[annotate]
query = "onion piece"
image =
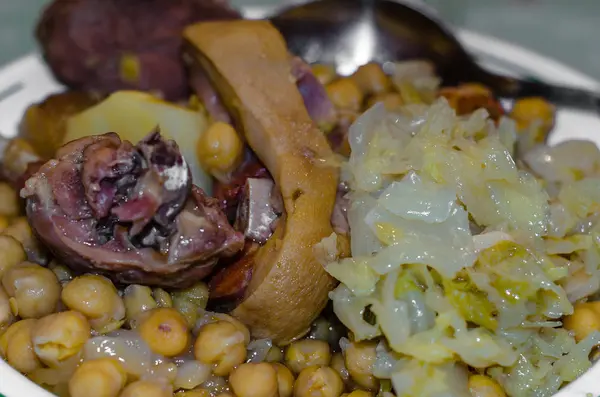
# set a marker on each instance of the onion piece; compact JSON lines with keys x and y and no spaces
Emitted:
{"x":191,"y":374}
{"x":258,"y":350}
{"x":126,"y":347}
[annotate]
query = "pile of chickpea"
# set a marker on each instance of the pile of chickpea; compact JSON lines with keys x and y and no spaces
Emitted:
{"x":47,"y":315}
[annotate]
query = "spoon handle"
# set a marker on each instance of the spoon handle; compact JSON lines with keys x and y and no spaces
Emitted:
{"x":561,"y":96}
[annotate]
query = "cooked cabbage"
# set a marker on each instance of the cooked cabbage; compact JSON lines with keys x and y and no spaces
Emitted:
{"x":461,"y":257}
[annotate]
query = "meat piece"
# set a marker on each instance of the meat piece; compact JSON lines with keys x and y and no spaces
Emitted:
{"x":248,"y":64}
{"x":467,"y":98}
{"x":259,"y":209}
{"x":128,"y":212}
{"x":317,"y":102}
{"x":228,"y":286}
{"x":315,"y":98}
{"x":229,"y":194}
{"x":109,"y":45}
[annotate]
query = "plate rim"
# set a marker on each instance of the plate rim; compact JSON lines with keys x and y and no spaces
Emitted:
{"x":13,"y":384}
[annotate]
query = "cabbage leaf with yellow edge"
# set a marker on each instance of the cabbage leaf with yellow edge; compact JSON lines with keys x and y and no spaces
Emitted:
{"x":420,"y":222}
{"x":462,"y":259}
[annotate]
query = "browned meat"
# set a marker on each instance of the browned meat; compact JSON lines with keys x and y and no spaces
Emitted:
{"x":229,"y":194}
{"x":259,"y":209}
{"x":109,"y":45}
{"x":129,"y":212}
{"x":228,"y":285}
{"x":467,"y":98}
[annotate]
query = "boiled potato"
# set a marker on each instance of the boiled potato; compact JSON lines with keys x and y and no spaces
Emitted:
{"x":134,"y":114}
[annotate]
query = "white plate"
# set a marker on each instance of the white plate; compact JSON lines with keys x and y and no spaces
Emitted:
{"x":27,"y":80}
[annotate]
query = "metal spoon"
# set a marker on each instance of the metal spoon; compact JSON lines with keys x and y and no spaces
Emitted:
{"x":349,"y":33}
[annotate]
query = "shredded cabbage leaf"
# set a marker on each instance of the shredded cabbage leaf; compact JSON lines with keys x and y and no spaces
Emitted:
{"x":462,"y":256}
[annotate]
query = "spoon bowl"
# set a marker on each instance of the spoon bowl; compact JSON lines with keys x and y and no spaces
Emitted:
{"x":350,"y":33}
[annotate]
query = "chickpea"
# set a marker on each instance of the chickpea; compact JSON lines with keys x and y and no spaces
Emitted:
{"x":3,"y":223}
{"x":193,"y":393}
{"x":285,"y":380}
{"x":147,"y":388}
{"x":102,"y":377}
{"x":584,"y":320}
{"x":162,"y":297}
{"x":96,"y":298}
{"x":197,"y":294}
{"x":191,"y":374}
{"x":221,"y":344}
{"x":241,"y":327}
{"x":12,"y":253}
{"x":484,"y":386}
{"x":60,"y":336}
{"x":20,"y":229}
{"x":254,"y":380}
{"x":17,"y":155}
{"x":391,"y":100}
{"x":62,"y":273}
{"x":345,"y":94}
{"x":17,"y":348}
{"x":324,"y":73}
{"x":307,"y":352}
{"x":216,"y":385}
{"x":275,"y":355}
{"x":190,"y":300}
{"x":318,"y":381}
{"x":137,"y":299}
{"x":9,"y":200}
{"x":6,"y":315}
{"x":371,"y":79}
{"x":527,"y":110}
{"x":34,"y":290}
{"x":165,"y":331}
{"x":360,"y":393}
{"x":165,"y":371}
{"x":338,"y":363}
{"x":220,"y":148}
{"x":187,"y":309}
{"x":360,"y":357}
